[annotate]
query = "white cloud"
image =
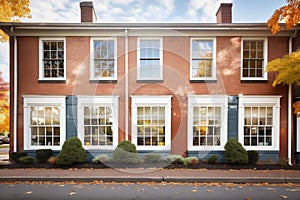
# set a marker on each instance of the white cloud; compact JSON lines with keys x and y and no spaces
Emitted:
{"x":204,"y":10}
{"x":4,"y":55}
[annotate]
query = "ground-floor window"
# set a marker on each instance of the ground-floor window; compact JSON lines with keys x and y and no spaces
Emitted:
{"x":207,"y":122}
{"x":44,"y":122}
{"x":259,"y":122}
{"x":151,"y":122}
{"x":98,"y":121}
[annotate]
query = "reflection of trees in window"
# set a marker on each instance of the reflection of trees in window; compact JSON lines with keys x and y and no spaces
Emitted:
{"x":151,"y":125}
{"x":253,"y":58}
{"x":258,"y":126}
{"x":53,"y":59}
{"x":206,"y":126}
{"x":98,"y":122}
{"x":45,"y":125}
{"x":104,"y":58}
{"x":202,"y":58}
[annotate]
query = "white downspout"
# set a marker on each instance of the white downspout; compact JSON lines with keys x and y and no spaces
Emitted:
{"x":15,"y":93}
{"x":126,"y":85}
{"x":290,"y":109}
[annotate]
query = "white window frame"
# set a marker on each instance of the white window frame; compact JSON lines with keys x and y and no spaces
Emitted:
{"x":265,"y":73}
{"x":270,"y":101}
{"x":41,"y":57}
{"x":31,"y":100}
{"x":214,"y":61}
{"x":152,"y":100}
{"x":213,"y":101}
{"x":92,"y":66}
{"x":113,"y":102}
{"x":160,"y":60}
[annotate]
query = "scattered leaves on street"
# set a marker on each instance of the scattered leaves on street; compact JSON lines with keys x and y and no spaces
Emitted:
{"x":194,"y":190}
{"x":284,"y":197}
{"x":29,"y":192}
{"x":72,"y":193}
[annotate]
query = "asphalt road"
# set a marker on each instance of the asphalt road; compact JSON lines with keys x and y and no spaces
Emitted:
{"x":50,"y":191}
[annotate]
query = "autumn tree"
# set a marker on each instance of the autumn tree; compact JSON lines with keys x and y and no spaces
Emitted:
{"x":13,"y":11}
{"x":4,"y":105}
{"x":289,"y":14}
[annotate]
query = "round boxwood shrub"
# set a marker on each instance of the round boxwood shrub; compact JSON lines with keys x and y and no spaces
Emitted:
{"x":252,"y":156}
{"x":72,"y":152}
{"x":235,"y":153}
{"x":191,"y":161}
{"x":16,"y":155}
{"x":26,"y":160}
{"x":42,"y":155}
{"x":174,"y":159}
{"x":126,"y":153}
{"x":212,"y":159}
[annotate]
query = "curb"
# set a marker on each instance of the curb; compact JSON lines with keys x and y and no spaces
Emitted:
{"x":119,"y":179}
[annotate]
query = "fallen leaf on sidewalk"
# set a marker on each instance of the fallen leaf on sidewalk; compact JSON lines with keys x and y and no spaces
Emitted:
{"x":284,"y":197}
{"x":72,"y":193}
{"x":29,"y":192}
{"x":194,"y":190}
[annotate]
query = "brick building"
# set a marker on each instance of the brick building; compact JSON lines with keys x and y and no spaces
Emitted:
{"x":172,"y":88}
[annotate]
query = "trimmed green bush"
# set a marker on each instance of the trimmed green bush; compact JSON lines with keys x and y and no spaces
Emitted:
{"x":42,"y":155}
{"x":191,"y":161}
{"x":100,"y":159}
{"x":235,"y":153}
{"x":152,"y":158}
{"x":212,"y":159}
{"x":253,"y":156}
{"x":26,"y":160}
{"x":126,"y":153}
{"x":16,"y":155}
{"x":174,"y":159}
{"x":72,"y":152}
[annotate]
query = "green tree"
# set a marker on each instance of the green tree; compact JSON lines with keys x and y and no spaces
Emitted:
{"x":12,"y":11}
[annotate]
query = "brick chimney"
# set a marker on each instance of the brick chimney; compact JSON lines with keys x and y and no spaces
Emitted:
{"x":224,"y":14}
{"x":88,"y":13}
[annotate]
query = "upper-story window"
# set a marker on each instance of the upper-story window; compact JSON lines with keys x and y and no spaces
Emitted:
{"x":103,"y":59}
{"x":150,"y":59}
{"x":203,"y":59}
{"x":52,"y":59}
{"x":254,"y":52}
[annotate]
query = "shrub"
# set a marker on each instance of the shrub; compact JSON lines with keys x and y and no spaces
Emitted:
{"x":126,"y":153}
{"x":235,"y":153}
{"x":26,"y":160}
{"x":174,"y":159}
{"x":42,"y":155}
{"x":100,"y":159}
{"x":72,"y":152}
{"x":191,"y":161}
{"x":212,"y":159}
{"x":16,"y":155}
{"x":252,"y":156}
{"x":152,"y":158}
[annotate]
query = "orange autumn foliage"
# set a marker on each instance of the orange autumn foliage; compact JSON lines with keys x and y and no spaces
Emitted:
{"x":13,"y":11}
{"x":4,"y":106}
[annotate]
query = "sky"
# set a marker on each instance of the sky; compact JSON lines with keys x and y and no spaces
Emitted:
{"x":202,"y":11}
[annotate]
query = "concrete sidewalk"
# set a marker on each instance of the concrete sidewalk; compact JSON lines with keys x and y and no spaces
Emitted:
{"x":151,"y":175}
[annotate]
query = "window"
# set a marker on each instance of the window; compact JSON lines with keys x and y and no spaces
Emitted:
{"x":259,"y":122}
{"x":44,"y":122}
{"x":254,"y":59}
{"x":207,"y":122}
{"x":103,"y":59}
{"x":203,"y":59}
{"x":98,"y":121}
{"x":150,"y":65}
{"x":52,"y":59}
{"x":151,"y":122}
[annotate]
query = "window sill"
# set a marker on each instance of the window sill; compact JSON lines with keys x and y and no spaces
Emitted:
{"x":204,"y":81}
{"x":149,"y":81}
{"x":103,"y":81}
{"x":255,"y":81}
{"x":52,"y":81}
